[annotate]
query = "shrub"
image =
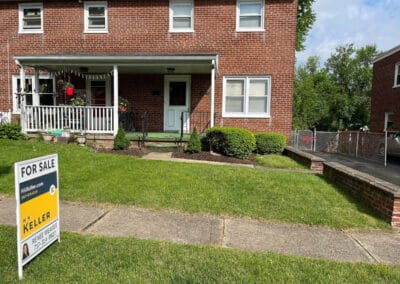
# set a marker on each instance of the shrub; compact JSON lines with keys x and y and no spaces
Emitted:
{"x":11,"y":131}
{"x":231,"y":141}
{"x":39,"y":137}
{"x":194,"y":145}
{"x":120,"y":141}
{"x":270,"y":143}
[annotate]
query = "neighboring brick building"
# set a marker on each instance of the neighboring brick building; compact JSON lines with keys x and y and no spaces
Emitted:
{"x":385,"y":104}
{"x":233,"y":58}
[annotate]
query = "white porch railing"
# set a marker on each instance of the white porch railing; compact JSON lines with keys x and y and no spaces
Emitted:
{"x":88,"y":119}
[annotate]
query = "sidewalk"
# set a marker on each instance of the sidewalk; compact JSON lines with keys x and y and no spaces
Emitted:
{"x":227,"y":232}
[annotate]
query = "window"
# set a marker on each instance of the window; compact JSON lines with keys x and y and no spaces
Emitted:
{"x":31,"y":18}
{"x":43,"y":95}
{"x":247,"y":97}
{"x":250,"y":15}
{"x":181,"y":16}
{"x":96,"y":17}
{"x":397,"y":76}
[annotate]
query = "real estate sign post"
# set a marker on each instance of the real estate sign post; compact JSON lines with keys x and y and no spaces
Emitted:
{"x":37,"y":195}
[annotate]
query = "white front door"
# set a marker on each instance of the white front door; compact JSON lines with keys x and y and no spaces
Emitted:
{"x":176,"y":101}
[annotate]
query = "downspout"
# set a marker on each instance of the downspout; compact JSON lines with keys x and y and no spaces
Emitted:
{"x":212,"y":107}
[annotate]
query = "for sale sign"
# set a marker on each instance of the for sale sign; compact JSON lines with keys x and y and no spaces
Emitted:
{"x":37,"y":195}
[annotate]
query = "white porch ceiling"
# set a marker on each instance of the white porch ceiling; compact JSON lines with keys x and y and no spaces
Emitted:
{"x":131,"y":64}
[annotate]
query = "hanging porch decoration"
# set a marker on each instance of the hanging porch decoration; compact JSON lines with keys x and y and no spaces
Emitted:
{"x":69,"y":87}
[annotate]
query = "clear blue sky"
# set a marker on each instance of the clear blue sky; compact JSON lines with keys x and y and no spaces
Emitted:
{"x":360,"y":22}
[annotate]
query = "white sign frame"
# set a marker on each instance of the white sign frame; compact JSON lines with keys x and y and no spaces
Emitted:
{"x":32,"y":179}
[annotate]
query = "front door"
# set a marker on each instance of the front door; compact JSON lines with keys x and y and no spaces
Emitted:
{"x":99,"y":92}
{"x":176,"y":101}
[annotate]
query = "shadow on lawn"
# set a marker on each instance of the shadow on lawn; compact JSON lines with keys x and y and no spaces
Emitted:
{"x":360,"y":204}
{"x":4,"y":170}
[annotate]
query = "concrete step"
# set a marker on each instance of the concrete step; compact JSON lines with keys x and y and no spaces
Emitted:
{"x":162,"y":147}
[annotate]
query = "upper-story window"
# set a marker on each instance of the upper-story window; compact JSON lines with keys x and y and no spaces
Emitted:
{"x":250,"y":15}
{"x":181,"y":16}
{"x":96,"y":17}
{"x":397,"y":75}
{"x":247,"y":96}
{"x":31,"y":18}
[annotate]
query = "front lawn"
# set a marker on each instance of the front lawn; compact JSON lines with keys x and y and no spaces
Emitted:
{"x":258,"y":193}
{"x":278,"y":161}
{"x":93,"y":259}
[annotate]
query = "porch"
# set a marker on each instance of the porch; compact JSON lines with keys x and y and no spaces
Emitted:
{"x":168,"y":94}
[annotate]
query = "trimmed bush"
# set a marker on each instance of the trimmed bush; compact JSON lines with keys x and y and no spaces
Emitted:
{"x":11,"y":131}
{"x":120,"y":141}
{"x":231,"y":141}
{"x":270,"y":143}
{"x":194,"y":145}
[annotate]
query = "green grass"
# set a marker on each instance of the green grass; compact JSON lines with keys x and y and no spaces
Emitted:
{"x":278,"y":161}
{"x":105,"y":178}
{"x":93,"y":259}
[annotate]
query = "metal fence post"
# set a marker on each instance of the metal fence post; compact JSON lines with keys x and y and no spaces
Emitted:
{"x":386,"y":140}
{"x":357,"y":140}
{"x":315,"y":140}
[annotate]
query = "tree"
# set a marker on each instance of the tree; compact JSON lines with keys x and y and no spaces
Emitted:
{"x":311,"y":82}
{"x":305,"y":19}
{"x":350,"y":69}
{"x":337,"y":96}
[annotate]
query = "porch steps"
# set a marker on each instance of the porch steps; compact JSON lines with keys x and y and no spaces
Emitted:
{"x":158,"y":137}
{"x":161,"y":147}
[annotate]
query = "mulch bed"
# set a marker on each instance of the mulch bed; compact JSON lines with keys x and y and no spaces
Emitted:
{"x":207,"y":156}
{"x":203,"y":156}
{"x":131,"y":152}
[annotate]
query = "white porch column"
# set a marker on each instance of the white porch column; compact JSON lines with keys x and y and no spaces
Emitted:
{"x":36,"y":89}
{"x":22,"y":95}
{"x":116,"y":91}
{"x":212,"y":108}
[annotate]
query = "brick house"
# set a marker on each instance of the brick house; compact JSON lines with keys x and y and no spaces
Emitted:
{"x":385,"y":102}
{"x":182,"y":63}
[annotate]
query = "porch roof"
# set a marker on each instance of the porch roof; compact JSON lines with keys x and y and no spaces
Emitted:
{"x":157,"y":64}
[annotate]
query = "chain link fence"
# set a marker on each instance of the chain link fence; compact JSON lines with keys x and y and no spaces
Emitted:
{"x":359,"y":144}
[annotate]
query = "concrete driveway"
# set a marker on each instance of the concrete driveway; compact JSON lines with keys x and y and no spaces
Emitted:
{"x":391,"y":173}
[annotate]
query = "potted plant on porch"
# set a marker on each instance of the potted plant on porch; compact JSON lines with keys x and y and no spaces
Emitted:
{"x":81,"y":138}
{"x":69,"y":89}
{"x":123,"y":104}
{"x":78,"y":101}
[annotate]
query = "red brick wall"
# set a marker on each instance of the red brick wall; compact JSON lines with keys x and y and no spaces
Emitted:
{"x":384,"y":198}
{"x":141,"y":27}
{"x":385,"y":98}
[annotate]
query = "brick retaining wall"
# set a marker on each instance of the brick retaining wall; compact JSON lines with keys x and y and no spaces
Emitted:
{"x":382,"y":196}
{"x":312,"y":162}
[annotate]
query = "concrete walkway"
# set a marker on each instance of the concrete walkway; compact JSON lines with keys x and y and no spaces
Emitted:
{"x":167,"y":156}
{"x":239,"y":233}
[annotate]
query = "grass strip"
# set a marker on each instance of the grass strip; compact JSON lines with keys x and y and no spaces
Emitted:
{"x":93,"y":259}
{"x":278,"y":161}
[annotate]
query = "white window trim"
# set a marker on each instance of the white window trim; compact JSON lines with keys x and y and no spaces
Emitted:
{"x":21,"y":8}
{"x":396,"y":74}
{"x":16,"y":109}
{"x":171,"y":17}
{"x":245,"y":113}
{"x":87,"y":5}
{"x":258,"y":29}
